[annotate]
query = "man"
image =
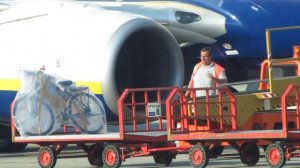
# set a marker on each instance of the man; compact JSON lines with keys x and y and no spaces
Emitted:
{"x":206,"y":74}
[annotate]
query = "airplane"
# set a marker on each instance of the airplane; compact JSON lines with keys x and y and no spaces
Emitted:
{"x":112,"y":45}
{"x":236,"y":30}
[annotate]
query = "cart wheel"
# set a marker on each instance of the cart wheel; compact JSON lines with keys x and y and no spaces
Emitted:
{"x":111,"y":156}
{"x":198,"y":156}
{"x":215,"y":152}
{"x":275,"y":155}
{"x":95,"y":159}
{"x":46,"y":157}
{"x":163,"y":158}
{"x":249,"y":154}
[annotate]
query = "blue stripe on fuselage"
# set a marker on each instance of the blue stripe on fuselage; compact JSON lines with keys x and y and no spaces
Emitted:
{"x":6,"y":97}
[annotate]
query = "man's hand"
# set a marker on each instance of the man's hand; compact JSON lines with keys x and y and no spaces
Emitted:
{"x":187,"y":93}
{"x":211,"y":77}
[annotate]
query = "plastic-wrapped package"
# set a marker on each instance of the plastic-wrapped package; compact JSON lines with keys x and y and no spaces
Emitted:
{"x":45,"y":103}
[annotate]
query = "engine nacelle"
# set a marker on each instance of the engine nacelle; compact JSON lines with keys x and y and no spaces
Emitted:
{"x":108,"y":51}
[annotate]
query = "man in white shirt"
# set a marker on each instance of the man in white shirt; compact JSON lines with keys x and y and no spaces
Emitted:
{"x":206,"y":74}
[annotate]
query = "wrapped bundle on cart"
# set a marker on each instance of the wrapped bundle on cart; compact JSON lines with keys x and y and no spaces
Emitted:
{"x":46,"y":103}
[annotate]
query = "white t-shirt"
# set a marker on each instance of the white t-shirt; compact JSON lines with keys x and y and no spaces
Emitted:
{"x":201,"y":79}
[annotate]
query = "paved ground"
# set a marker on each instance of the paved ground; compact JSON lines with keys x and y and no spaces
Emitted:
{"x":27,"y":159}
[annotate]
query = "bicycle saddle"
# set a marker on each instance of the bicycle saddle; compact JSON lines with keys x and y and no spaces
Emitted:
{"x":78,"y":89}
{"x":65,"y":83}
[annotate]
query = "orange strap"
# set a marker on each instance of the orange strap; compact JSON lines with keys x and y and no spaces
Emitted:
{"x":217,"y":68}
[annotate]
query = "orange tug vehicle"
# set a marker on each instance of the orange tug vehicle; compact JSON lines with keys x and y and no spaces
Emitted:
{"x":269,"y":117}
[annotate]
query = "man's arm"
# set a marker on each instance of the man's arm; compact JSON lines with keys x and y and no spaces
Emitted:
{"x":222,"y":78}
{"x":191,"y":83}
{"x":219,"y":81}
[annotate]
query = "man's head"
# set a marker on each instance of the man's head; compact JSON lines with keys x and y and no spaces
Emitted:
{"x":206,"y":55}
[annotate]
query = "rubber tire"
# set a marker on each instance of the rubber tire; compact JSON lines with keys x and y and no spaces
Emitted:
{"x":6,"y":144}
{"x":44,"y":106}
{"x":275,"y":155}
{"x":216,"y":152}
{"x":13,"y":147}
{"x":249,"y":154}
{"x":47,"y":157}
{"x":111,"y":156}
{"x":87,"y":98}
{"x":96,"y":158}
{"x":199,"y":156}
{"x":163,"y":159}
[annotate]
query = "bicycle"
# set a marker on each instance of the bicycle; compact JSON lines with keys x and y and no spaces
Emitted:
{"x":51,"y":104}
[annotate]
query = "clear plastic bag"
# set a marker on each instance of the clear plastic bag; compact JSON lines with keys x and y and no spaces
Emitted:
{"x":42,"y":106}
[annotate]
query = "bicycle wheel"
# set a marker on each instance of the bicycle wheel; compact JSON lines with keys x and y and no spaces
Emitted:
{"x":87,"y":113}
{"x":29,"y":120}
